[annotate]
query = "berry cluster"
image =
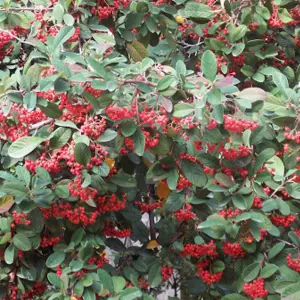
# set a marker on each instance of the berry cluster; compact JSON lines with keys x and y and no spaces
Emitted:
{"x":257,"y":203}
{"x":111,"y":231}
{"x":110,"y":203}
{"x":115,"y":113}
{"x":77,"y":215}
{"x":183,"y":183}
{"x":256,"y":289}
{"x":185,"y":214}
{"x":19,"y":218}
{"x":207,"y":276}
{"x":49,"y":241}
{"x":233,"y":154}
{"x":200,"y":250}
{"x":236,"y":125}
{"x":284,"y":221}
{"x":166,"y":272}
{"x":293,"y":263}
{"x":229,"y":213}
{"x":235,"y":250}
{"x":145,"y":208}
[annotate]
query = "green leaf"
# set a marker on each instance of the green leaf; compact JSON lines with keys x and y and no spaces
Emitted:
{"x":154,"y":275}
{"x":130,"y":293}
{"x":136,"y":50}
{"x":139,"y":142}
{"x":10,"y":254}
{"x":107,"y":135}
{"x":22,"y":242}
{"x":63,"y":35}
{"x":268,"y":270}
{"x":128,"y":128}
{"x":276,"y":163}
{"x":234,"y":297}
{"x":24,"y":146}
{"x":68,"y":19}
{"x":60,"y":137}
{"x":194,"y":173}
{"x":165,"y":82}
{"x":182,"y":110}
{"x":66,"y":124}
{"x":224,"y":180}
{"x":253,"y":94}
{"x":294,"y":238}
{"x":124,"y":180}
{"x":198,"y":11}
{"x":82,"y":153}
{"x":262,"y":158}
{"x":242,"y":202}
{"x":55,"y":259}
{"x":251,"y":272}
{"x":174,"y":201}
{"x":54,"y":280}
{"x":209,"y":65}
{"x":30,"y":100}
{"x":23,"y":174}
{"x":61,"y":85}
{"x":118,"y":283}
{"x":293,"y":190}
{"x":106,"y":280}
{"x":218,"y":266}
{"x":28,"y":273}
{"x":50,"y":109}
{"x":213,"y":221}
{"x":236,"y":33}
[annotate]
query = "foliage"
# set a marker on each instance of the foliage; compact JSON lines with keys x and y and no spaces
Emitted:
{"x":185,"y":113}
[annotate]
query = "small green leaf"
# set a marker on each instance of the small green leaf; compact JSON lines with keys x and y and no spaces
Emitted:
{"x":209,"y":65}
{"x":165,"y":82}
{"x":139,"y":142}
{"x":182,"y":110}
{"x":82,"y":153}
{"x":55,"y":259}
{"x":22,"y":242}
{"x":174,"y":201}
{"x":251,"y":272}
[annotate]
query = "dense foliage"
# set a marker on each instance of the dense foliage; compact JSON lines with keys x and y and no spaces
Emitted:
{"x":181,"y":113}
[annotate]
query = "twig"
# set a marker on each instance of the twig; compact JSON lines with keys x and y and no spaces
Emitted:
{"x":15,"y":37}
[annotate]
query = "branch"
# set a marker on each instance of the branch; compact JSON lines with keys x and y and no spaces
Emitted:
{"x":151,"y":215}
{"x":40,"y":124}
{"x":26,"y":8}
{"x":133,"y":81}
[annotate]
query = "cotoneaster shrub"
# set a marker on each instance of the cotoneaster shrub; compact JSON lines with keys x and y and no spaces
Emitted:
{"x":185,"y":113}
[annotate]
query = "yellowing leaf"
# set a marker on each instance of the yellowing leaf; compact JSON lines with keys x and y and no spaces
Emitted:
{"x":179,"y":19}
{"x":6,"y":203}
{"x":152,"y":244}
{"x":163,"y":190}
{"x":110,"y":162}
